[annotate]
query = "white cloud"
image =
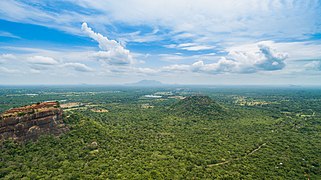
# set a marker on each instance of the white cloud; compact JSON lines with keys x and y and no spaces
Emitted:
{"x":113,"y":52}
{"x":176,"y":68}
{"x":265,"y":59}
{"x":149,"y":71}
{"x":40,"y":63}
{"x":113,"y":57}
{"x":313,"y":65}
{"x":271,"y":59}
{"x":231,"y":27}
{"x":140,"y":37}
{"x":34,"y":71}
{"x":8,"y":34}
{"x":296,"y":50}
{"x":78,"y":67}
{"x":7,"y":70}
{"x":18,"y":11}
{"x":197,"y":48}
{"x":7,"y":57}
{"x":171,"y":57}
{"x":187,"y":58}
{"x":218,"y":20}
{"x":42,"y":60}
{"x":190,"y":46}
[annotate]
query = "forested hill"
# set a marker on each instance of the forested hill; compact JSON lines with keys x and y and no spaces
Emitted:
{"x":198,"y":105}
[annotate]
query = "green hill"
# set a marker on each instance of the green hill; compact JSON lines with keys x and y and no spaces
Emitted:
{"x":198,"y":105}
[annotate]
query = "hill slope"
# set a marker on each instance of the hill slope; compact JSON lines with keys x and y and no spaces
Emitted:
{"x":198,"y":106}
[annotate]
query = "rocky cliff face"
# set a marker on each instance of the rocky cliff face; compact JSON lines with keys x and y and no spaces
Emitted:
{"x":29,"y":122}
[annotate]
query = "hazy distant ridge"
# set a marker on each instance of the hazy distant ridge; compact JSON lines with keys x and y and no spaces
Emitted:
{"x":146,"y":83}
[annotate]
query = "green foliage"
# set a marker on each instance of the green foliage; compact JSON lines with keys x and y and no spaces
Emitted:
{"x":21,"y":114}
{"x":198,"y":105}
{"x":212,"y":140}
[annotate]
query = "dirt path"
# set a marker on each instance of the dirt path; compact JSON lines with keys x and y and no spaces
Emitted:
{"x":235,"y":159}
{"x":258,"y":148}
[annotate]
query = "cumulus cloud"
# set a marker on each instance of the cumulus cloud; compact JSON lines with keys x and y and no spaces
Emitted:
{"x":42,"y":60}
{"x":78,"y":67}
{"x":40,"y":63}
{"x":113,"y":52}
{"x":265,"y":59}
{"x":270,"y":59}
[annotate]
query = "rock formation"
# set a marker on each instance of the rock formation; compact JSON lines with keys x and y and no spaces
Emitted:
{"x":29,"y":122}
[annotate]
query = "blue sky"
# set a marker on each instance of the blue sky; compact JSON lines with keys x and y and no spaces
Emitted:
{"x":173,"y":41}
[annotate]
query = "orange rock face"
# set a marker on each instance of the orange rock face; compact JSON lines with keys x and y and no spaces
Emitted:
{"x":29,"y":122}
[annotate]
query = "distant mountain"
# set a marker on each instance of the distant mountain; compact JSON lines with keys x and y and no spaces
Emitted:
{"x":146,"y":83}
{"x":294,"y":86}
{"x":198,"y":105}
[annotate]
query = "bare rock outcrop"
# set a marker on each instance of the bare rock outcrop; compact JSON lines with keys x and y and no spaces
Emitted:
{"x":28,"y":122}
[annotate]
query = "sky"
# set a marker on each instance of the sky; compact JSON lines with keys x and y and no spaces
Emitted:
{"x":108,"y":42}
